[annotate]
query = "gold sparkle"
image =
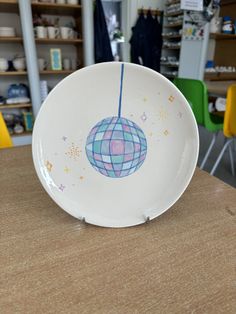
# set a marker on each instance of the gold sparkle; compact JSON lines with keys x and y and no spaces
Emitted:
{"x":48,"y":166}
{"x":162,"y":114}
{"x":171,"y":98}
{"x":166,"y":132}
{"x":73,"y":152}
{"x":66,"y":170}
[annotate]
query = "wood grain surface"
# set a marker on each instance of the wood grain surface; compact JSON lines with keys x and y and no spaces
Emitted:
{"x":182,"y":262}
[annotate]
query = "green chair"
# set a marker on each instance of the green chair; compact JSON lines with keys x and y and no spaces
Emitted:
{"x":195,"y":91}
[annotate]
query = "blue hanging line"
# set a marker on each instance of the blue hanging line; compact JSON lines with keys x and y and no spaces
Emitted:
{"x":121,"y":88}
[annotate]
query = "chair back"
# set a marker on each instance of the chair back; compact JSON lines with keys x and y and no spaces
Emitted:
{"x":230,"y":112}
{"x":5,"y":138}
{"x":195,"y":91}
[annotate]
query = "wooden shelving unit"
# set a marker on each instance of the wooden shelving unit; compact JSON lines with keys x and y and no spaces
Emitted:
{"x":58,"y":41}
{"x":221,"y":36}
{"x":9,"y":6}
{"x":52,"y":72}
{"x":179,"y":24}
{"x":174,"y":13}
{"x":171,"y":48}
{"x":56,"y":8}
{"x":173,"y":21}
{"x":16,"y":106}
{"x":177,"y":36}
{"x":220,"y":76}
{"x":11,"y":40}
{"x":13,"y":73}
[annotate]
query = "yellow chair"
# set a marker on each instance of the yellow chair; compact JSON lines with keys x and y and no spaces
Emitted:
{"x":229,"y":128}
{"x":5,"y":139}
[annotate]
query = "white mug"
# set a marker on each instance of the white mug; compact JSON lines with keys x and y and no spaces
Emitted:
{"x":72,"y":1}
{"x":66,"y":32}
{"x":66,"y":64}
{"x":19,"y":64}
{"x":3,"y":65}
{"x":42,"y":64}
{"x":53,"y":32}
{"x":41,"y":32}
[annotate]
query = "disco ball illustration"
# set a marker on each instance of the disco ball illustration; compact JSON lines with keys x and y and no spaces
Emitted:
{"x":116,"y":147}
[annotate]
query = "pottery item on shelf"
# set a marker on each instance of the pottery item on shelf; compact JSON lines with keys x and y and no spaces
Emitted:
{"x":3,"y":65}
{"x":216,"y":25}
{"x":41,"y":32}
{"x":18,"y":129}
{"x":73,"y":64}
{"x":17,"y":90}
{"x":227,"y":27}
{"x":19,"y":64}
{"x":66,"y":32}
{"x":53,"y":32}
{"x":7,"y":32}
{"x":66,"y":64}
{"x":42,"y":64}
{"x":43,"y":90}
{"x":72,"y":2}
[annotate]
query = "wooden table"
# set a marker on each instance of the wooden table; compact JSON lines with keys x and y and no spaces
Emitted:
{"x":182,"y":262}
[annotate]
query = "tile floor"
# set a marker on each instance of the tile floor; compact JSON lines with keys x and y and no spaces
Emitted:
{"x":223,"y":171}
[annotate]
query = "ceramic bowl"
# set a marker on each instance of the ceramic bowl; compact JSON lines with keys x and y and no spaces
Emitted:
{"x":7,"y":32}
{"x":123,"y":146}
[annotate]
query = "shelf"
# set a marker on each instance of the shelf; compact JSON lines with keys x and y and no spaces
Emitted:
{"x":58,"y":41}
{"x":170,"y":65}
{"x":226,"y":2}
{"x":57,"y":71}
{"x":11,"y":39}
{"x":220,"y":76}
{"x":180,"y":12}
{"x":55,"y":8}
{"x":222,"y":36}
{"x":173,"y":25}
{"x":9,"y":6}
{"x":25,"y":133}
{"x":10,"y":73}
{"x":15,"y":106}
{"x":173,"y":2}
{"x":174,"y":48}
{"x":171,"y":36}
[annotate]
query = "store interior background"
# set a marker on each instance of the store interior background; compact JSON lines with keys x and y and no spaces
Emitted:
{"x":192,"y":55}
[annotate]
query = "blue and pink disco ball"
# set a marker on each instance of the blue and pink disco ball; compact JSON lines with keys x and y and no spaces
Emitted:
{"x":116,"y":147}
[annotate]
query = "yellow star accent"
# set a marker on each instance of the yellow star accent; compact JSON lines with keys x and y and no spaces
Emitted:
{"x":162,"y":114}
{"x":48,"y":166}
{"x":166,"y":132}
{"x":171,"y":98}
{"x":66,"y":170}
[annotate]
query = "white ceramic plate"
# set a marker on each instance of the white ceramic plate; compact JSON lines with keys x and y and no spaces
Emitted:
{"x":115,"y":161}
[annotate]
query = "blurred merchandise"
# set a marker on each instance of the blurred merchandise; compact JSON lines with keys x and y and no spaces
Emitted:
{"x":7,"y":32}
{"x":227,"y":27}
{"x":3,"y":65}
{"x":28,"y":121}
{"x":43,"y":90}
{"x":17,"y":91}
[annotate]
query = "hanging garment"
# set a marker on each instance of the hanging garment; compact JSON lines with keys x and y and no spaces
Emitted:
{"x":155,"y":41}
{"x":146,"y":42}
{"x":138,"y":41}
{"x":102,"y":45}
